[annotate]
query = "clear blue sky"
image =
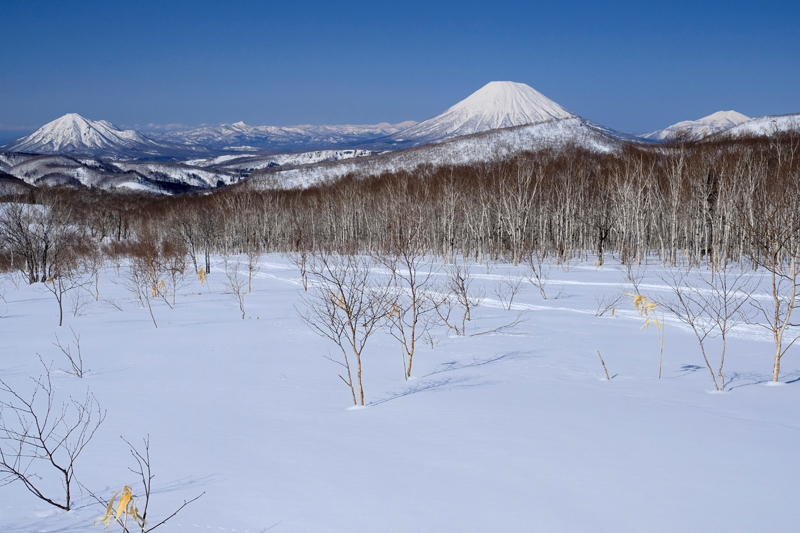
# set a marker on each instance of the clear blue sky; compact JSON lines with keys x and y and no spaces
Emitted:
{"x":633,"y":66}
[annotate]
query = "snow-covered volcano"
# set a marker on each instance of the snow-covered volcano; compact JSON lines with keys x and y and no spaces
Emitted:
{"x":498,"y":104}
{"x":73,"y":134}
{"x":697,"y":129}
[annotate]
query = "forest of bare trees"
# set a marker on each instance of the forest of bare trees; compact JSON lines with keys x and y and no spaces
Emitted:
{"x":708,"y":202}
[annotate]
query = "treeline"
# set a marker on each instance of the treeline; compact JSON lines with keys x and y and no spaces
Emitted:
{"x":709,"y":201}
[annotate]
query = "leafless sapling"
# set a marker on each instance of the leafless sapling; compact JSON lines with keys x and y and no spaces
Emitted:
{"x":346,"y":305}
{"x":608,"y":302}
{"x":538,"y":270}
{"x":174,"y":265}
{"x":409,"y":315}
{"x":711,"y":304}
{"x":253,"y":268}
{"x":506,"y":288}
{"x":64,"y":278}
{"x":41,"y":441}
{"x":300,"y":260}
{"x":75,"y":359}
{"x":236,"y":282}
{"x":138,"y":280}
{"x":458,"y":294}
{"x":79,"y":302}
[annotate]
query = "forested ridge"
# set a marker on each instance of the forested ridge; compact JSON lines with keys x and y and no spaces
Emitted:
{"x":714,"y":201}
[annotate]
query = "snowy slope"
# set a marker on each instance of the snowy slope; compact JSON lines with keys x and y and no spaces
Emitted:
{"x":511,"y":432}
{"x":767,"y":126}
{"x":490,"y":145}
{"x":254,"y":162}
{"x":73,"y":134}
{"x":498,"y":104}
{"x":241,"y":137}
{"x":697,"y":129}
{"x":156,"y":177}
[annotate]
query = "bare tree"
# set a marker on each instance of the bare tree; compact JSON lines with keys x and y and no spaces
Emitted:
{"x":774,"y":238}
{"x":506,"y":288}
{"x":76,"y":359}
{"x":634,"y":275}
{"x":409,"y":316}
{"x":300,"y":260}
{"x":139,"y":280}
{"x":148,"y":271}
{"x":608,"y":302}
{"x":253,"y":257}
{"x":539,"y":270}
{"x":458,"y":294}
{"x":92,"y":262}
{"x":711,"y":304}
{"x":346,"y":305}
{"x":174,"y":266}
{"x":40,"y":440}
{"x":79,"y":302}
{"x":65,"y":277}
{"x":237,"y":283}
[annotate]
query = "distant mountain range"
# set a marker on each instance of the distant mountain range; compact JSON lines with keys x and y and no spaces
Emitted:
{"x":500,"y":119}
{"x":75,"y":135}
{"x":241,"y":137}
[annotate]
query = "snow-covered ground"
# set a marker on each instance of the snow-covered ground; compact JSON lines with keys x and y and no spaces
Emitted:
{"x":517,"y":431}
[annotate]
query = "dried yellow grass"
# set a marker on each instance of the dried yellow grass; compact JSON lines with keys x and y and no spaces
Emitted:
{"x":646,"y":309}
{"x":128,"y":507}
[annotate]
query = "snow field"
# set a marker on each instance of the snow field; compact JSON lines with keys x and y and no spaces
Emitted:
{"x":507,"y":432}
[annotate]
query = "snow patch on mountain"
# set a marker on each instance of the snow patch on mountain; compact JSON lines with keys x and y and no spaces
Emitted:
{"x":498,"y":104}
{"x":697,"y":129}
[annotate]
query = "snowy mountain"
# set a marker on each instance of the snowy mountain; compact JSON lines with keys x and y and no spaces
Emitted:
{"x":73,"y":134}
{"x":766,"y":126}
{"x":241,"y":137}
{"x":498,"y":104}
{"x":697,"y":129}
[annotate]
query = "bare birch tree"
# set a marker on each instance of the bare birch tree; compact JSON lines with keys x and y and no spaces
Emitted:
{"x":345,"y":305}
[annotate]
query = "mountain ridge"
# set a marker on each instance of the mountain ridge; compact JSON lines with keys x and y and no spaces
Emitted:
{"x":242,"y":137}
{"x":697,"y":129}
